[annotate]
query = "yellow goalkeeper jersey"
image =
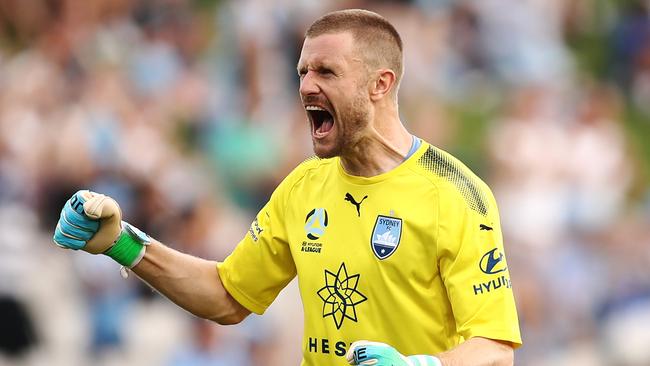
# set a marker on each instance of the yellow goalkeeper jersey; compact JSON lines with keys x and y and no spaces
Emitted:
{"x":413,"y":257}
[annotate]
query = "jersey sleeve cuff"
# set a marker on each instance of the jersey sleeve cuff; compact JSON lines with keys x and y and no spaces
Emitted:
{"x":241,"y":297}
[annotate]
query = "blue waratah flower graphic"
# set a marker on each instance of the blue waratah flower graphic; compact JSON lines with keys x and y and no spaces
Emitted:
{"x":340,"y":296}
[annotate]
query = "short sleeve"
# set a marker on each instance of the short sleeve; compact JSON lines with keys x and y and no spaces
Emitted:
{"x":261,"y":265}
{"x":473,"y":266}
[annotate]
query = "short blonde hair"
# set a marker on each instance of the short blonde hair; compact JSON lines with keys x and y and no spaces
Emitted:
{"x":381,"y":43}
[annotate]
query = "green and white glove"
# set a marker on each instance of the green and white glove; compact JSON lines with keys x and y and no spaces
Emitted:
{"x":368,"y":353}
{"x":93,"y":222}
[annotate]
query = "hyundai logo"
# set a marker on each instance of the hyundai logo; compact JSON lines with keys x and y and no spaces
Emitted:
{"x":493,"y":262}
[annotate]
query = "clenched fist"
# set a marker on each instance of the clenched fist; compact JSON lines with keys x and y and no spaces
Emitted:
{"x":93,"y":222}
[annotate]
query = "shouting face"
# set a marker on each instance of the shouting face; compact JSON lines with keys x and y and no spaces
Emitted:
{"x":334,"y":93}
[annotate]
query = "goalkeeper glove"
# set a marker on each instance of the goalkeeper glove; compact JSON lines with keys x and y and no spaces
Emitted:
{"x":93,"y":222}
{"x":368,"y":353}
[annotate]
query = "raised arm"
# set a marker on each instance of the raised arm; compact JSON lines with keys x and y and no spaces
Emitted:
{"x":190,"y":282}
{"x":92,"y":222}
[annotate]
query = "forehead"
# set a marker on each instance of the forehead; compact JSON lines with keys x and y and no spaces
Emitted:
{"x":327,"y":48}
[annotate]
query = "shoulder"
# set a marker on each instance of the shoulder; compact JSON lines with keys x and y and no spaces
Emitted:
{"x":453,"y":179}
{"x":310,"y":168}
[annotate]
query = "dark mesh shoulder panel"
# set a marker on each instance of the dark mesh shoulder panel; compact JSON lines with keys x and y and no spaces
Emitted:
{"x":313,"y":157}
{"x":441,"y":164}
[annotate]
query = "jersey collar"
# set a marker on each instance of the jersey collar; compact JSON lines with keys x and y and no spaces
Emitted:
{"x":417,"y":149}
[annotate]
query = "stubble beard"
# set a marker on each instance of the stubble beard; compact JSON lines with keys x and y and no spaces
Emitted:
{"x":352,"y":124}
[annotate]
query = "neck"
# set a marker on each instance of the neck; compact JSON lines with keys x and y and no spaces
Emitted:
{"x":380,"y":150}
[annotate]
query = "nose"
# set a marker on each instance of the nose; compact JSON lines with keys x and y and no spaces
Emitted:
{"x":308,"y":85}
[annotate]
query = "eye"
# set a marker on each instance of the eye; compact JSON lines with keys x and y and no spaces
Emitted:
{"x":325,"y":71}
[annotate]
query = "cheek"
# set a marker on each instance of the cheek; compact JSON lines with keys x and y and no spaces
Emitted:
{"x":360,"y":104}
{"x":351,"y":106}
{"x":355,"y":115}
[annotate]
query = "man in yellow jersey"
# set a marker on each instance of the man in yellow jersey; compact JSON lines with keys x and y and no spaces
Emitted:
{"x":396,"y":244}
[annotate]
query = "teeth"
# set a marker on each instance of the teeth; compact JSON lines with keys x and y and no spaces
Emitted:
{"x":314,"y":108}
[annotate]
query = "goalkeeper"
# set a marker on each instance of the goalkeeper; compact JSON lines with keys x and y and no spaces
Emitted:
{"x":397,"y":245}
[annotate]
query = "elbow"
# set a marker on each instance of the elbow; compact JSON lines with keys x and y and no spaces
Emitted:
{"x":232,"y":314}
{"x":228,"y":319}
{"x":506,"y":355}
{"x":508,"y":358}
{"x":501,"y":353}
{"x":479,"y":350}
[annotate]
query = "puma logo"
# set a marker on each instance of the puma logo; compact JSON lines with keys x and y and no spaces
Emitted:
{"x":484,"y":227}
{"x":349,"y":198}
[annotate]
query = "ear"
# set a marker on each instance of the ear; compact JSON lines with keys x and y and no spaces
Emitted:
{"x":383,"y":84}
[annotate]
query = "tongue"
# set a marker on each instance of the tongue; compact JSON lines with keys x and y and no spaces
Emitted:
{"x":326,"y":125}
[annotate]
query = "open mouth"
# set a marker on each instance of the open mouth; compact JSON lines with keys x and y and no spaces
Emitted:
{"x":321,"y":120}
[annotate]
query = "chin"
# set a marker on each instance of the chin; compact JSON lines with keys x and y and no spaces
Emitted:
{"x":326,"y":152}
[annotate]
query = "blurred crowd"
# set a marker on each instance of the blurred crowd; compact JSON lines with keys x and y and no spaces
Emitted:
{"x":187,"y":112}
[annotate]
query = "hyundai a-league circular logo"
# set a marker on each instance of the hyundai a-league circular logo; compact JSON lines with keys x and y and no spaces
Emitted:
{"x":315,"y":223}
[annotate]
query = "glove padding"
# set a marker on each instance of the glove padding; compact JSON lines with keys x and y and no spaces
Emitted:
{"x":368,"y":353}
{"x":89,"y":221}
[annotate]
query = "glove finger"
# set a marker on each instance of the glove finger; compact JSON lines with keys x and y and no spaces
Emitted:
{"x":78,"y":199}
{"x":369,"y":362}
{"x":93,"y":207}
{"x":99,"y":206}
{"x":79,"y":219}
{"x":373,"y":351}
{"x":67,"y":241}
{"x":367,"y":346}
{"x":358,"y":353}
{"x":70,"y":229}
{"x":351,"y":355}
{"x":379,"y":354}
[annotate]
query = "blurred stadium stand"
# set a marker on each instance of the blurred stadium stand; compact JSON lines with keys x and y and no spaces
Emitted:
{"x":187,"y":113}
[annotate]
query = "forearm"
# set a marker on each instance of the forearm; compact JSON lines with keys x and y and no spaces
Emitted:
{"x":478,"y":351}
{"x":190,"y":282}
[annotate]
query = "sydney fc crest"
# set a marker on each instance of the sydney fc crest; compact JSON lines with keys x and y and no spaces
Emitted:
{"x":386,"y":236}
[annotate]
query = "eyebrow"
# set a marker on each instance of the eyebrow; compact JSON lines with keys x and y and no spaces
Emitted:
{"x":300,"y":68}
{"x":319,"y":66}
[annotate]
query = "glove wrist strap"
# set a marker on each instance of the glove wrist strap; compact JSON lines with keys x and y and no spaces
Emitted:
{"x":129,"y":247}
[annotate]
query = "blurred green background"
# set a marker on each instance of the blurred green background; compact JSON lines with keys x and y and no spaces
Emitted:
{"x":187,"y":112}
